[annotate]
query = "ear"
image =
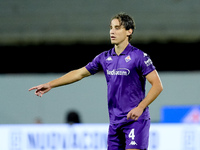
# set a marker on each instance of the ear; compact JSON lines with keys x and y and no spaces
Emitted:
{"x":129,"y":32}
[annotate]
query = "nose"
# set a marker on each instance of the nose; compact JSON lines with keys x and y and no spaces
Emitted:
{"x":111,"y":31}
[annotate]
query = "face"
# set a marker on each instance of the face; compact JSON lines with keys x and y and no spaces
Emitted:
{"x":118,"y":34}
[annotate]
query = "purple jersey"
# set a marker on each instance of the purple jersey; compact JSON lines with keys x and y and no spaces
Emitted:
{"x":125,"y":76}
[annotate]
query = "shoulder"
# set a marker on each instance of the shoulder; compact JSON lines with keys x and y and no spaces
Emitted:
{"x":100,"y":58}
{"x":107,"y":52}
{"x":138,"y":53}
{"x":141,"y":57}
{"x":104,"y":54}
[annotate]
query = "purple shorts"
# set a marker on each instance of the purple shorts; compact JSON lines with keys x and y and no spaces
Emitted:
{"x":132,"y":135}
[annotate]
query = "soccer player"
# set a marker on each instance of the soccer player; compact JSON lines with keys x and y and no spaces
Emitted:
{"x":126,"y":69}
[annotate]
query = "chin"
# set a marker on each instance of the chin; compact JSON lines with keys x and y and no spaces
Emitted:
{"x":113,"y":42}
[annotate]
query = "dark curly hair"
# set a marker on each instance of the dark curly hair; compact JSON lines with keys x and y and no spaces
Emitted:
{"x":126,"y":21}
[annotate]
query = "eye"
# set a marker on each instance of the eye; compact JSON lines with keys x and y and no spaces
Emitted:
{"x":117,"y":27}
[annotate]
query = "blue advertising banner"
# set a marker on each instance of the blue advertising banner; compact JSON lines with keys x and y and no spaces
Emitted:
{"x":180,"y":114}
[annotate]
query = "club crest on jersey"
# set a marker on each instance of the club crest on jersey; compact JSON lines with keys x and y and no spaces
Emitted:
{"x":128,"y":58}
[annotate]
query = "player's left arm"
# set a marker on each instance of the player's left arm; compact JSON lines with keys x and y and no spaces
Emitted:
{"x":153,"y":93}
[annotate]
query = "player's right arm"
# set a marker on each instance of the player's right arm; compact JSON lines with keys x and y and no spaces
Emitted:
{"x":71,"y":77}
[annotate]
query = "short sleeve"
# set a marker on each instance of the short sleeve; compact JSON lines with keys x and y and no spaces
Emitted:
{"x":146,"y":64}
{"x":95,"y":65}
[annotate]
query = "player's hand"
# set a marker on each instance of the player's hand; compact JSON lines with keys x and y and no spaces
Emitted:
{"x":41,"y":89}
{"x":135,"y":113}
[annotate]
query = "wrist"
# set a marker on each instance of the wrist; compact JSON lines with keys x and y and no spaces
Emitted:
{"x":49,"y":84}
{"x":141,"y":106}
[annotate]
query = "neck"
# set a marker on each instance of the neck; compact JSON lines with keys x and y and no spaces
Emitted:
{"x":119,"y":48}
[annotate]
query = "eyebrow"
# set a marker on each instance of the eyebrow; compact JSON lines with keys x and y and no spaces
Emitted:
{"x":116,"y":25}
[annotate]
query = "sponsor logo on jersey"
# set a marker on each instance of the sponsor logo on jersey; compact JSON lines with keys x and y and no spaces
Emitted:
{"x":119,"y":71}
{"x":148,"y":62}
{"x":128,"y":58}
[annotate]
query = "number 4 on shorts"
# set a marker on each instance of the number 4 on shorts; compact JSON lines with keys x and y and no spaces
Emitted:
{"x":131,"y":134}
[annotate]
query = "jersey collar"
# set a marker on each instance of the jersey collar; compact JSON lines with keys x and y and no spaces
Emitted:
{"x":125,"y":52}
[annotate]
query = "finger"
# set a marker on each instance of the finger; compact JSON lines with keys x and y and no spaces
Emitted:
{"x":128,"y":116}
{"x":136,"y":118}
{"x":41,"y":93}
{"x":33,"y":88}
{"x":132,"y":117}
{"x":37,"y":92}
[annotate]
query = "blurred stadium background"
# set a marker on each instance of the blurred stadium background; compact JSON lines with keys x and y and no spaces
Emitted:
{"x":42,"y":40}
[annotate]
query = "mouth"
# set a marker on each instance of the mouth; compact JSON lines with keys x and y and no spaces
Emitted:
{"x":112,"y":37}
